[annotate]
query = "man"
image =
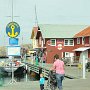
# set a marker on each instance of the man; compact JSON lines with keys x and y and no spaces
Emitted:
{"x":58,"y":66}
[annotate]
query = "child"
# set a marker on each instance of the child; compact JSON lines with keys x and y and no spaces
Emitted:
{"x":37,"y":60}
{"x":42,"y":81}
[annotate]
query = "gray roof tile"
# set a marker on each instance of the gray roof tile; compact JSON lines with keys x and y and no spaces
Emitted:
{"x":60,"y":31}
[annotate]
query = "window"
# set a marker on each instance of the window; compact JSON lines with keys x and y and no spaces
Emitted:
{"x":53,"y":42}
{"x":78,"y":40}
{"x":68,"y":42}
{"x":66,"y":54}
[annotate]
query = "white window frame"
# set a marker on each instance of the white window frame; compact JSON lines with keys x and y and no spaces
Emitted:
{"x":42,"y":44}
{"x":67,"y":53}
{"x":78,"y":40}
{"x":51,"y":41}
{"x":44,"y":40}
{"x":68,"y":42}
{"x":83,"y":40}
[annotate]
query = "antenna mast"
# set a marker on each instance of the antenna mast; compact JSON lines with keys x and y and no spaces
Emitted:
{"x":12,"y":10}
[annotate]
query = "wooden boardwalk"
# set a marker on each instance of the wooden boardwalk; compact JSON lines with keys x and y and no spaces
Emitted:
{"x":68,"y":84}
{"x":35,"y":68}
{"x":46,"y":69}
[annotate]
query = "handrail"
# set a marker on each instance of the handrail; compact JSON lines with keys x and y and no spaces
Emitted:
{"x":34,"y":68}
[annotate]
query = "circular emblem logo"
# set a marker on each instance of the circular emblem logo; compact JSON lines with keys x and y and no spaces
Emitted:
{"x":12,"y":29}
{"x":59,"y":46}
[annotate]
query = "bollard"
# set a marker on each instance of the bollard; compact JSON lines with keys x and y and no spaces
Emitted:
{"x":80,"y":70}
{"x":79,"y":66}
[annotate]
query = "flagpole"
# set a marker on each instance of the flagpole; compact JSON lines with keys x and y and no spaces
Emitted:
{"x":12,"y":56}
{"x":12,"y":80}
{"x":12,"y":10}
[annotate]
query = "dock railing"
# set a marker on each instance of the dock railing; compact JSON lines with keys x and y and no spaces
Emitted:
{"x":71,"y":60}
{"x":35,"y":68}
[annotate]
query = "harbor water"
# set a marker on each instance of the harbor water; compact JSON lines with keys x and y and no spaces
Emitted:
{"x":20,"y":75}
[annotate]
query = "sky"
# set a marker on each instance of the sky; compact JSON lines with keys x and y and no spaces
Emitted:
{"x":48,"y":12}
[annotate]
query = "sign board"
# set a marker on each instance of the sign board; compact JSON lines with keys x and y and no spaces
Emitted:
{"x":13,"y":50}
{"x":13,"y":29}
{"x":13,"y":41}
{"x":59,"y":46}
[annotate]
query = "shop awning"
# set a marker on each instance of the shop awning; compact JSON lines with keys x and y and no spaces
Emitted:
{"x":32,"y":51}
{"x":81,"y":49}
{"x":40,"y":47}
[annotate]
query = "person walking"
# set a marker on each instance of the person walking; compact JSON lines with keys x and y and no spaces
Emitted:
{"x":42,"y":81}
{"x":36,"y":60}
{"x":44,"y":59}
{"x":58,"y":66}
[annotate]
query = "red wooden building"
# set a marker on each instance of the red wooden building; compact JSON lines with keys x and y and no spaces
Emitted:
{"x":60,"y":39}
{"x":82,"y":40}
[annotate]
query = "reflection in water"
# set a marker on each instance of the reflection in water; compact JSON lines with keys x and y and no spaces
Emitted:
{"x":26,"y":77}
{"x":20,"y":75}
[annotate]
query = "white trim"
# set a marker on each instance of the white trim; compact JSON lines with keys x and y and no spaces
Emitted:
{"x":68,"y":54}
{"x":42,"y":44}
{"x":78,"y":40}
{"x":62,"y":54}
{"x":43,"y":40}
{"x":83,"y":40}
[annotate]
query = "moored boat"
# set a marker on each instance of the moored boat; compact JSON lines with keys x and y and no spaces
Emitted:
{"x":10,"y":66}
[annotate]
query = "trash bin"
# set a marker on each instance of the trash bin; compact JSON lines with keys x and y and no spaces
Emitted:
{"x":1,"y":80}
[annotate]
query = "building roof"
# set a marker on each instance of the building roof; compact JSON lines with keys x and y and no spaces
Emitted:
{"x":83,"y":33}
{"x":82,"y":49}
{"x":60,"y":31}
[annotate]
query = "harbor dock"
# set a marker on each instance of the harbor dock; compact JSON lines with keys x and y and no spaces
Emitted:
{"x":68,"y":84}
{"x":76,"y":83}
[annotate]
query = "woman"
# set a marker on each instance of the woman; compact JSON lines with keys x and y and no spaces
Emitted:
{"x":58,"y":66}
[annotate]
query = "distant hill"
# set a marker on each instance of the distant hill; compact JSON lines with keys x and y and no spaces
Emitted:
{"x":2,"y":51}
{"x":27,"y":46}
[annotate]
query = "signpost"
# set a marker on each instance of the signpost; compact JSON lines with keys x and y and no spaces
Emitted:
{"x":13,"y":30}
{"x":84,"y":71}
{"x":13,"y":41}
{"x":12,"y":80}
{"x":13,"y":51}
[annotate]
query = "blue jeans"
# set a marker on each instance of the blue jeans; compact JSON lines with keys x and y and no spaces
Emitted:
{"x":59,"y":78}
{"x":41,"y":86}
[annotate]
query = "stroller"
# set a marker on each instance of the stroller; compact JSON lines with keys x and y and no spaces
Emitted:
{"x":88,"y":66}
{"x":51,"y":83}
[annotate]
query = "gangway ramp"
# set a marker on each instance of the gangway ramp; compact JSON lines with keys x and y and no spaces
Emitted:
{"x":35,"y":68}
{"x":45,"y":70}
